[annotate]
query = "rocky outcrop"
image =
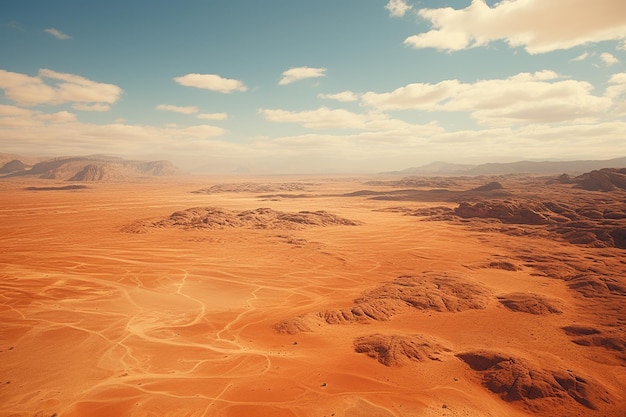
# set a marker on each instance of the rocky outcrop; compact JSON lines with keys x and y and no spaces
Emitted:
{"x":253,"y":187}
{"x":530,"y":303}
{"x":518,"y":379}
{"x":97,"y":168}
{"x":91,"y":172}
{"x":505,"y":211}
{"x":260,"y":218}
{"x":607,"y":179}
{"x":395,"y":350}
{"x":434,"y":292}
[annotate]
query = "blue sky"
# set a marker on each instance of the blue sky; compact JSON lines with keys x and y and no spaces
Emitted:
{"x":312,"y":87}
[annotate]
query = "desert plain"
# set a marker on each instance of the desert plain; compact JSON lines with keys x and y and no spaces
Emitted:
{"x":312,"y":296}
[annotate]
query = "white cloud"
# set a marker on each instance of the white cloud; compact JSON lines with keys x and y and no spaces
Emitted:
{"x":57,"y":34}
{"x":211,"y":82}
{"x":540,"y":97}
{"x":51,"y":87}
{"x":608,"y":59}
{"x":581,"y":57}
{"x":178,"y":109}
{"x":344,"y":96}
{"x":419,"y":96}
{"x":213,"y":116}
{"x":91,"y":107}
{"x":300,"y":73}
{"x":528,"y":23}
{"x":397,"y":8}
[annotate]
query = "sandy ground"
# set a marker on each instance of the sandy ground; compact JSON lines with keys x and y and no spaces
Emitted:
{"x":96,"y":321}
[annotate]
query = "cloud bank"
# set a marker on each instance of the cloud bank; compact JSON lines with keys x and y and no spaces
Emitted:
{"x":525,"y":98}
{"x":537,"y":25}
{"x":51,"y":87}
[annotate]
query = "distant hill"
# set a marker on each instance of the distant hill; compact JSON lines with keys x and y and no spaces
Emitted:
{"x":13,"y":166}
{"x":89,"y":168}
{"x":437,"y":168}
{"x":520,"y":167}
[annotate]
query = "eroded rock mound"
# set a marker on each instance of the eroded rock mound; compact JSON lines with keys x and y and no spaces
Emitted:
{"x":92,"y":172}
{"x":261,"y":218}
{"x":295,"y":325}
{"x":606,"y":179}
{"x":577,"y":330}
{"x":505,"y":211}
{"x":517,"y":379}
{"x":394,"y":350}
{"x":494,"y":185}
{"x":607,"y":342}
{"x":597,"y":225}
{"x":594,"y":285}
{"x":504,"y":265}
{"x":590,"y":336}
{"x":530,"y":303}
{"x":438,"y":292}
{"x":253,"y":187}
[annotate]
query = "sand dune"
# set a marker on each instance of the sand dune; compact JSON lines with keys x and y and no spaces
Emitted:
{"x":337,"y":302}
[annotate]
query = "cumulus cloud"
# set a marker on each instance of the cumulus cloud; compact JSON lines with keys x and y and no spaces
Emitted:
{"x":213,"y":116}
{"x":608,"y":59}
{"x":178,"y":109}
{"x":344,"y":96}
{"x":211,"y":82}
{"x":51,"y":87}
{"x":397,"y":8}
{"x":531,"y":24}
{"x":300,"y":73}
{"x":540,"y":97}
{"x":57,"y":34}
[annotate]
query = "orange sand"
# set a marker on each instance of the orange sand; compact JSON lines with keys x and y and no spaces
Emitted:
{"x":98,"y":322}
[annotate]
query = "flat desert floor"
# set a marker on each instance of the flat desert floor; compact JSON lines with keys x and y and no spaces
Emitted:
{"x":310,"y":296}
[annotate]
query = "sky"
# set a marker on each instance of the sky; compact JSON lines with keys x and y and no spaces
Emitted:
{"x":324,"y":86}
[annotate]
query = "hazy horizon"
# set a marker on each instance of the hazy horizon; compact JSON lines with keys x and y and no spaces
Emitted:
{"x":328,"y":87}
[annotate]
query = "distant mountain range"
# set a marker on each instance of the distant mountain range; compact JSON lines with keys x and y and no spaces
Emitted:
{"x":83,"y":168}
{"x":520,"y":167}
